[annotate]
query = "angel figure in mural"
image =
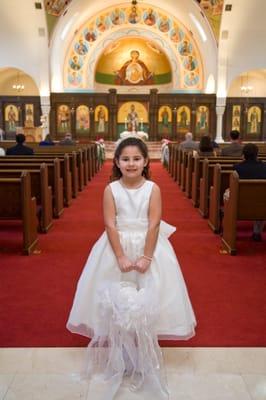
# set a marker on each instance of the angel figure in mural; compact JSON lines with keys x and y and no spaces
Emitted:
{"x":190,"y":63}
{"x":117,"y":17}
{"x":164,"y":24}
{"x":184,"y":48}
{"x":134,"y":71}
{"x":192,"y":79}
{"x":101,"y":24}
{"x":133,"y":17}
{"x":90,"y":36}
{"x":74,"y":78}
{"x":75,"y":63}
{"x":175,"y":35}
{"x":81,"y":48}
{"x":150,"y":18}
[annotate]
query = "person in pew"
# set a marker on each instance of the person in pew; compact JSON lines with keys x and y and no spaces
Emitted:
{"x":189,"y":143}
{"x":206,"y":146}
{"x":20,"y":149}
{"x":252,"y":168}
{"x":234,"y":149}
{"x":48,"y":141}
{"x":68,"y":141}
{"x":2,"y":152}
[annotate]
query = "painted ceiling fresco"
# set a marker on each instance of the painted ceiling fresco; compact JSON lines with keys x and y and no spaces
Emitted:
{"x":131,"y":59}
{"x":213,"y":10}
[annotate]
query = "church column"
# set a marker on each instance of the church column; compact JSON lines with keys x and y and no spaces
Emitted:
{"x":153,"y":115}
{"x":219,"y":124}
{"x":45,"y":117}
{"x":112,"y":123}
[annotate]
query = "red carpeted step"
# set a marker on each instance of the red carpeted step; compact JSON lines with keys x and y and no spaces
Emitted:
{"x":36,"y":292}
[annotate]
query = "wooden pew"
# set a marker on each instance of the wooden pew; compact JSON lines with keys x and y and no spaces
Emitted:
{"x":221,"y":179}
{"x":247,"y":201}
{"x":206,"y":182}
{"x":16,"y":202}
{"x":54,"y":178}
{"x":40,"y":190}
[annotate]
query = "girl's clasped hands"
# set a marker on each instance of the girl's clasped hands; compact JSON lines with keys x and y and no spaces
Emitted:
{"x":141,"y":265}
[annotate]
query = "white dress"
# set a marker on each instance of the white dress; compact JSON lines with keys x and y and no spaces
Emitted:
{"x":175,"y":319}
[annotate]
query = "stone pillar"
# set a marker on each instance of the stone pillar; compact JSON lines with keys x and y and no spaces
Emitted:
{"x":219,"y":124}
{"x":45,"y":117}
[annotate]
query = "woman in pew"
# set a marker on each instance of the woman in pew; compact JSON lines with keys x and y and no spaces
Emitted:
{"x":206,"y":147}
{"x":48,"y":141}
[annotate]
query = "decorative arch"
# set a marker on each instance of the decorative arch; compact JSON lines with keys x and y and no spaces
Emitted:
{"x":113,"y":23}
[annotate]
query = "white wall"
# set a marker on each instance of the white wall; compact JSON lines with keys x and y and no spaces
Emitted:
{"x":20,"y":44}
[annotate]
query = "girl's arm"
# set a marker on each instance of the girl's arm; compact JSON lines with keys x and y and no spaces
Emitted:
{"x":155,"y":211}
{"x":109,"y":213}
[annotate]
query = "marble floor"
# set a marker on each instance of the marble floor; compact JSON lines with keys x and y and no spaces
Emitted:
{"x":193,"y":374}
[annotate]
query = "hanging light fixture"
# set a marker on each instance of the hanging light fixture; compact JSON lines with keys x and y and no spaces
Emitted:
{"x":18,"y":86}
{"x":245,"y":89}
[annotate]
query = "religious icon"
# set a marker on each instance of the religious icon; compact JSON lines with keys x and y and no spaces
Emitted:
{"x":81,"y":48}
{"x":29,"y":116}
{"x":184,"y":48}
{"x":101,"y":23}
{"x":254,"y":120}
{"x":176,"y":35}
{"x":133,"y":119}
{"x":202,"y":119}
{"x":90,"y":34}
{"x":133,"y":16}
{"x":165,"y":120}
{"x":63,"y":118}
{"x":149,"y":17}
{"x":183,"y":118}
{"x":74,"y":78}
{"x":117,"y":17}
{"x":101,"y":118}
{"x":164,"y":24}
{"x":75,"y":63}
{"x":236,"y":117}
{"x":190,"y":63}
{"x":82,"y":119}
{"x":134,"y":72}
{"x":11,"y":118}
{"x":191,"y":79}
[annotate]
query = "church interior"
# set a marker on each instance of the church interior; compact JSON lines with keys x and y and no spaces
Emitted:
{"x":97,"y":72}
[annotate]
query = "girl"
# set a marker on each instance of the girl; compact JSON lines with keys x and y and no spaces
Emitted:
{"x":131,"y":291}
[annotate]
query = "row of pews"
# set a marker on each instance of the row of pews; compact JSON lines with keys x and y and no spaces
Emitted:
{"x":204,"y":181}
{"x":35,"y":189}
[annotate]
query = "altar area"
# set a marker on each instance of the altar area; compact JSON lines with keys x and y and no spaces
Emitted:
{"x":154,"y":148}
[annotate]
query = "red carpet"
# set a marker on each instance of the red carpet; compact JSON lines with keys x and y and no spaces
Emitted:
{"x":227,"y":293}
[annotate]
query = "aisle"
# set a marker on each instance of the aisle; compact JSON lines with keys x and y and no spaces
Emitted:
{"x":36,"y":292}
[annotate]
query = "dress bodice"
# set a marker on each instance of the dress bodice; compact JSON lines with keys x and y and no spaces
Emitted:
{"x":132,"y":204}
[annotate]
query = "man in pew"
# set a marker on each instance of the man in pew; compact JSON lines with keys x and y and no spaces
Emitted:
{"x":252,"y":168}
{"x":234,"y":149}
{"x":20,"y":148}
{"x":189,"y":143}
{"x":68,"y":141}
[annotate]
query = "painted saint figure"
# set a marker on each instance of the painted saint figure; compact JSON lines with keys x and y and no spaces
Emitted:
{"x":12,"y":119}
{"x":133,"y":118}
{"x":150,"y":18}
{"x":254,"y":121}
{"x":134,"y":71}
{"x":101,"y":120}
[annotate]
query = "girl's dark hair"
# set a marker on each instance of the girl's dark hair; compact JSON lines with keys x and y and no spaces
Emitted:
{"x":131,"y":141}
{"x":206,"y":144}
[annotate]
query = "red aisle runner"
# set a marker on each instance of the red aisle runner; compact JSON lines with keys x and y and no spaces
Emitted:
{"x":36,"y":293}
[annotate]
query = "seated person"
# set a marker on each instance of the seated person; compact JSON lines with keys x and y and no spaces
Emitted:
{"x":20,"y":149}
{"x":2,"y":152}
{"x":188,"y":143}
{"x":234,"y":149}
{"x":252,"y":168}
{"x":2,"y":134}
{"x":206,"y":146}
{"x":67,"y":140}
{"x":48,"y":141}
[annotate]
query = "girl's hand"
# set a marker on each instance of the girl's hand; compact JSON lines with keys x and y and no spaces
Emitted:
{"x":142,"y":265}
{"x":125,"y":264}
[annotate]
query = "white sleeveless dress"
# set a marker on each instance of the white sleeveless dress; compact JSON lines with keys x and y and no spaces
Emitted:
{"x":176,"y":318}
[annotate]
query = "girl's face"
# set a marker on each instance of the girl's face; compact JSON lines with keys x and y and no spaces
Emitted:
{"x":131,"y":162}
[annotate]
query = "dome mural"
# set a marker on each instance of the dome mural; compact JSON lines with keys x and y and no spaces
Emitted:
{"x":133,"y":46}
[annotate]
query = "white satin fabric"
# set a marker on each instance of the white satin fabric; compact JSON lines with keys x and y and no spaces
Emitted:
{"x":115,"y":308}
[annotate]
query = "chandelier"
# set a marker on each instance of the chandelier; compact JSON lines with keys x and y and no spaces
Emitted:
{"x":18,"y":85}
